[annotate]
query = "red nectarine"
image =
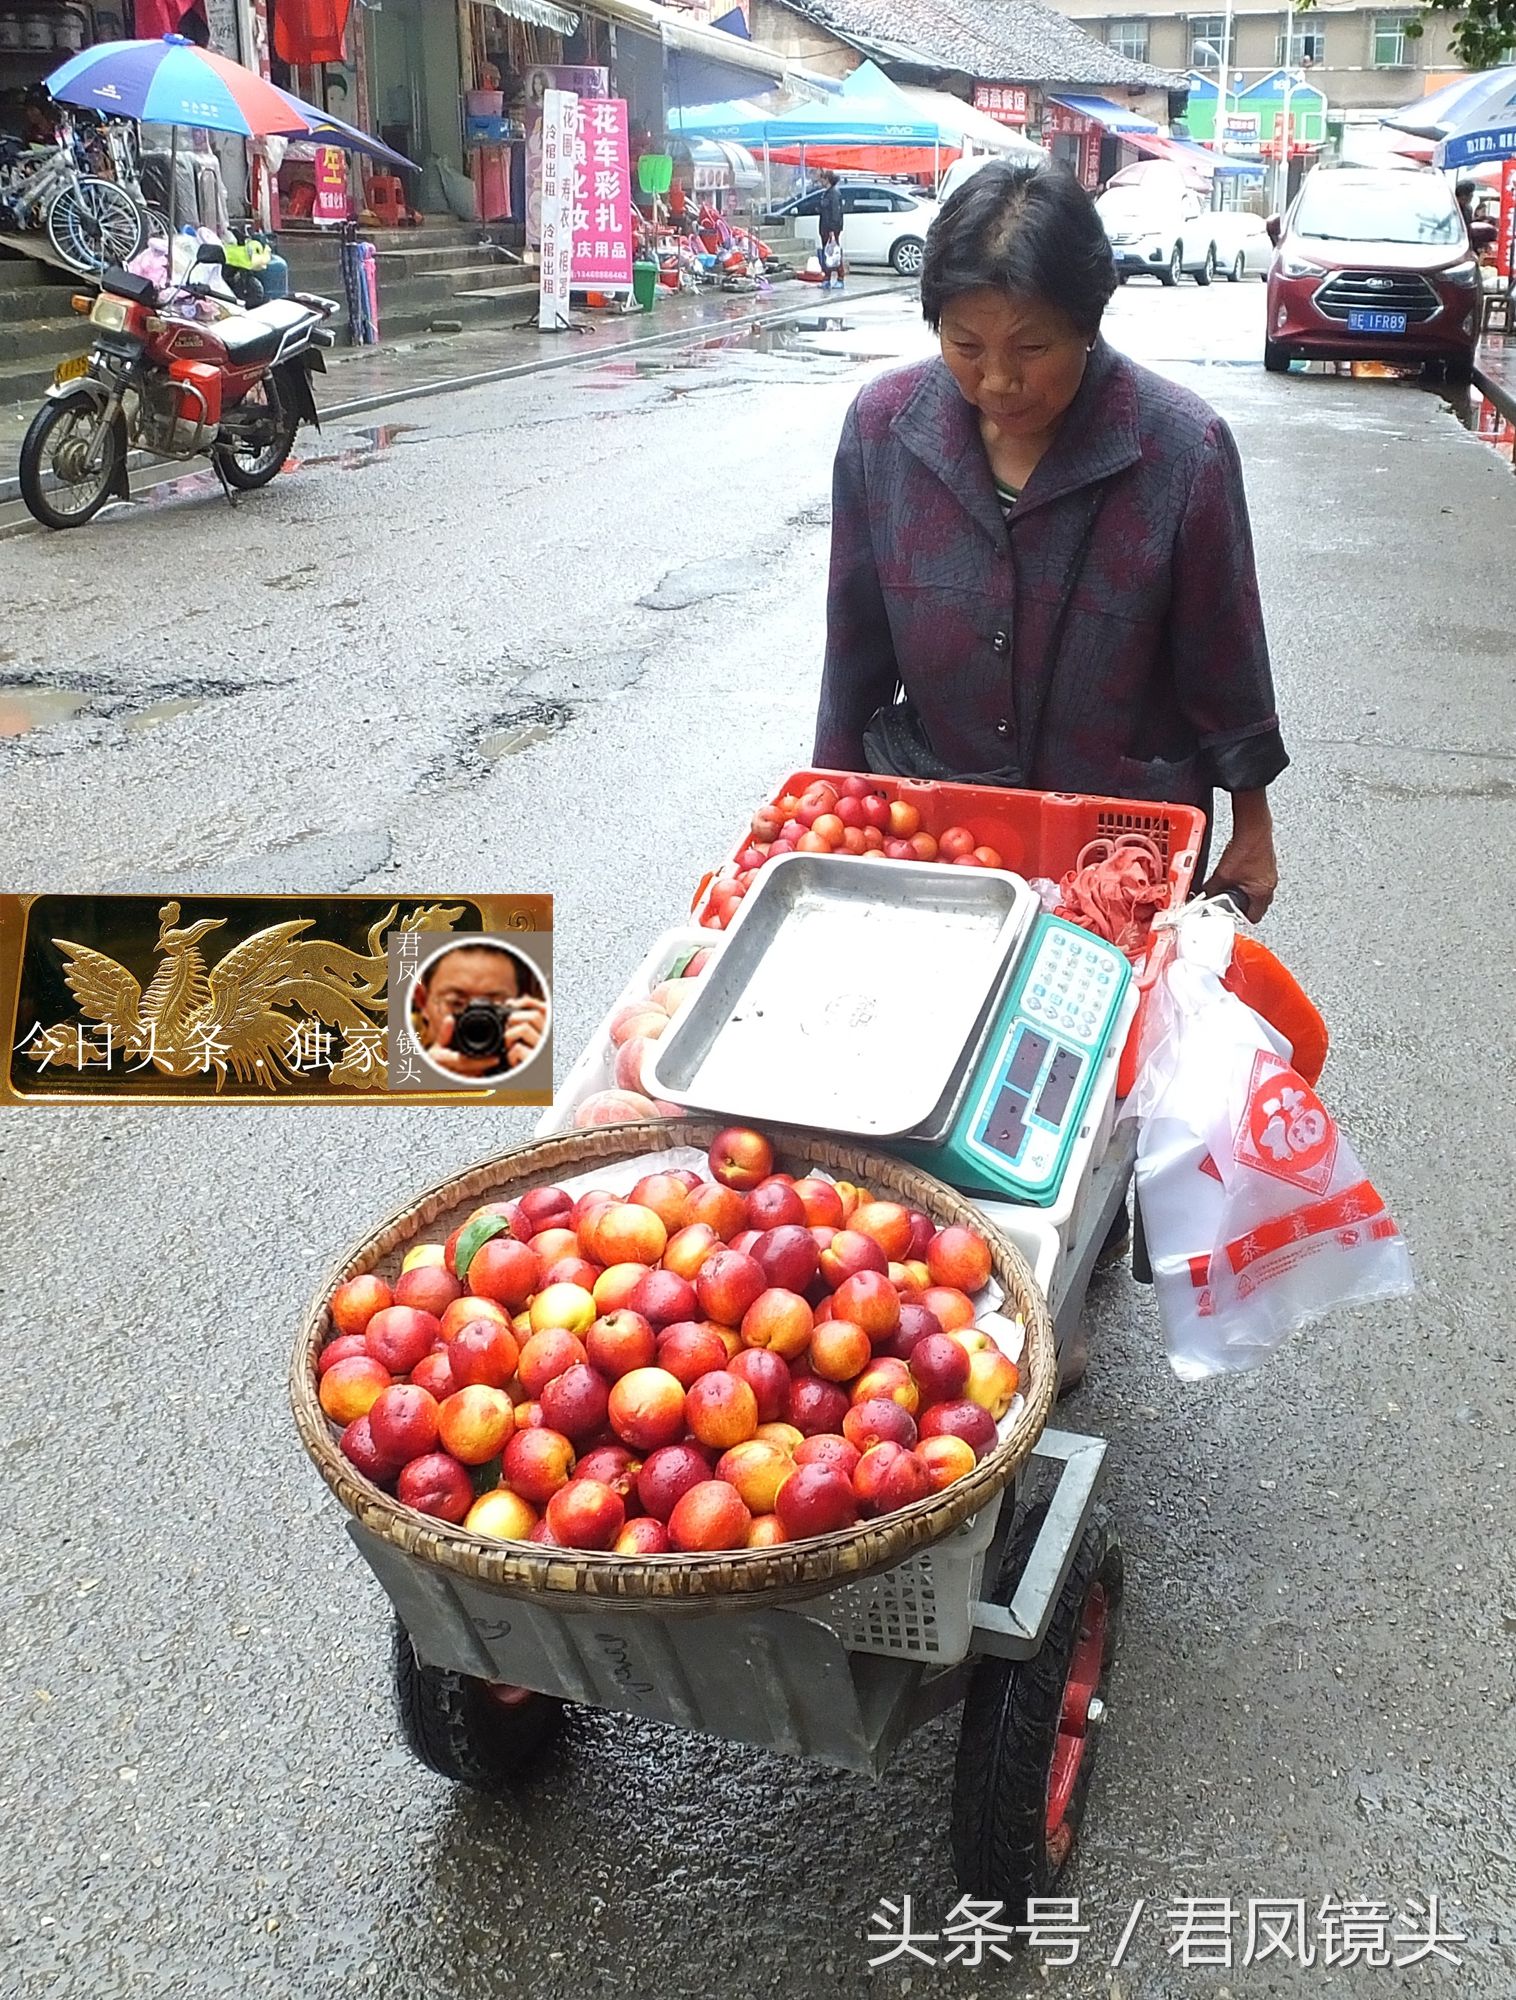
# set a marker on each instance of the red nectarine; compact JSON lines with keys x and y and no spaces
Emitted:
{"x":398,"y":1337}
{"x":815,"y":1500}
{"x":585,"y":1515}
{"x":710,"y":1516}
{"x":667,"y":1475}
{"x":647,"y":1409}
{"x":536,"y":1463}
{"x":476,"y":1423}
{"x":350,"y":1388}
{"x":436,"y":1484}
{"x":740,"y":1158}
{"x":355,"y":1302}
{"x":721,"y":1410}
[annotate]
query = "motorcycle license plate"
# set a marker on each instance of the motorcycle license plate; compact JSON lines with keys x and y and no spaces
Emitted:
{"x":70,"y":371}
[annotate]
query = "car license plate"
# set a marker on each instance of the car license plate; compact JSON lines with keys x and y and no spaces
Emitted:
{"x":1376,"y":322}
{"x":70,"y":371}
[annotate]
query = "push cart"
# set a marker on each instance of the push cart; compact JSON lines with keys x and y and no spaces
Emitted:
{"x":846,"y":1644}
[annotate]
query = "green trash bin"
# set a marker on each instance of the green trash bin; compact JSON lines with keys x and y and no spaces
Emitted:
{"x":645,"y":283}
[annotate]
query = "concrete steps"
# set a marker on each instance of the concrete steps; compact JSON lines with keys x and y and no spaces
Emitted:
{"x":438,"y":272}
{"x":38,"y":329}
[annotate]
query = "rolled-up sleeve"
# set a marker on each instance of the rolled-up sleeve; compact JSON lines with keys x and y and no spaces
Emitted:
{"x":860,"y":673}
{"x":1218,"y":648}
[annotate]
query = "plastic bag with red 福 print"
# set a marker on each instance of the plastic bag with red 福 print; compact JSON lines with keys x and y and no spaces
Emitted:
{"x":1257,"y":1212}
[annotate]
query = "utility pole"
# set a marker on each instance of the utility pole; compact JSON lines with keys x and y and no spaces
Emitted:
{"x":1282,"y":198}
{"x":1223,"y":75}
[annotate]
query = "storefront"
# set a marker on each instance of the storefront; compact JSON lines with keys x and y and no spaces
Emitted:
{"x":1090,"y":135}
{"x":37,"y":35}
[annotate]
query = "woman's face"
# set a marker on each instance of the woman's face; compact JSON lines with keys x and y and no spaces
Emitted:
{"x":1019,"y":361}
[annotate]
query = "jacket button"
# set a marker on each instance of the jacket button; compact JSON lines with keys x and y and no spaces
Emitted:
{"x":1002,"y":642}
{"x":1002,"y":727}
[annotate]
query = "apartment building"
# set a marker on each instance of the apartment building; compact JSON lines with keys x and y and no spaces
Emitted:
{"x":1360,"y":58}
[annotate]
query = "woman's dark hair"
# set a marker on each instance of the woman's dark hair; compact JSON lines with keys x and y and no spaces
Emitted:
{"x":1029,"y":231}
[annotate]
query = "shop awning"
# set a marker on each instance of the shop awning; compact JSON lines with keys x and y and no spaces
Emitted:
{"x":1103,"y":112}
{"x":1198,"y":163}
{"x":665,"y":26}
{"x":958,"y":123}
{"x":537,"y":14}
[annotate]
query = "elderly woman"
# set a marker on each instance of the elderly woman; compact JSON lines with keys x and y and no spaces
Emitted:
{"x":1042,"y":569}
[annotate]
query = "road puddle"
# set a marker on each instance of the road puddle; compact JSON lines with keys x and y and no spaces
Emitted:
{"x":23,"y":709}
{"x":161,"y":711}
{"x":510,"y":734}
{"x":819,"y":339}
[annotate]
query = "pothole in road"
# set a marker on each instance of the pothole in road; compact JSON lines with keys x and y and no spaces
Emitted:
{"x":32,"y":704}
{"x":505,"y":733}
{"x":534,"y":724}
{"x":25,"y":709}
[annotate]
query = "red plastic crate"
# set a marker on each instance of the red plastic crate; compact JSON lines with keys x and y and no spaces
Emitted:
{"x":1035,"y":834}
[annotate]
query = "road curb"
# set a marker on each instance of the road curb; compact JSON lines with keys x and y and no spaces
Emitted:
{"x":542,"y":364}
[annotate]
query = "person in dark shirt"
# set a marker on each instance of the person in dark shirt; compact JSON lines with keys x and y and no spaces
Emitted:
{"x":1047,"y":546}
{"x":829,"y":231}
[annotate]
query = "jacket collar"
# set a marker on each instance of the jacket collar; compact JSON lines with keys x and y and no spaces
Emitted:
{"x":1100,"y":435}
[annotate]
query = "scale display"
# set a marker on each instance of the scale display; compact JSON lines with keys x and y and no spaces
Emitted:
{"x":1023,"y":1111}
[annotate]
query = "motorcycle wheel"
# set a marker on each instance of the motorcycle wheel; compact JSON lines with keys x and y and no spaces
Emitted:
{"x":95,"y":225}
{"x":247,"y":465}
{"x":56,"y":443}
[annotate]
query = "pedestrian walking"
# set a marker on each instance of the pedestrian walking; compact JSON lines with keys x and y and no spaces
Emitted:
{"x":829,"y":218}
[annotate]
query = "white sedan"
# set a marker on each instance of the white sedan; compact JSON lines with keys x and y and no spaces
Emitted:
{"x":1242,"y":243}
{"x":881,"y":224}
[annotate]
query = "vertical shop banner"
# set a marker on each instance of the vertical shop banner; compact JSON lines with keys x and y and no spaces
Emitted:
{"x":560,"y":133}
{"x":1091,"y":171}
{"x":333,"y":202}
{"x":1507,"y":233}
{"x":600,"y":198}
{"x":584,"y":80}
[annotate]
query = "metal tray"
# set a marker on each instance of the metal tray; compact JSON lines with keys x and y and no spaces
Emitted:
{"x":847,"y":995}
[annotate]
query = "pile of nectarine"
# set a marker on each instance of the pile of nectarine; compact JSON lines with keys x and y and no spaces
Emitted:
{"x":705,"y":1363}
{"x":634,"y":1027}
{"x":853,"y":818}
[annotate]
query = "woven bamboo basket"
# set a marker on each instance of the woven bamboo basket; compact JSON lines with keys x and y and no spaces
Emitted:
{"x":671,"y":1583}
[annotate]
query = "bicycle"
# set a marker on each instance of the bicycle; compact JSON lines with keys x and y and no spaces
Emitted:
{"x":91,"y":222}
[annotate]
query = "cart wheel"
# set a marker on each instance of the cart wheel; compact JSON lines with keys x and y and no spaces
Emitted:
{"x":1027,"y":1746}
{"x":466,"y":1730}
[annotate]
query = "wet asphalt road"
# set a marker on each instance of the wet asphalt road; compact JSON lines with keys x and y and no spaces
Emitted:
{"x":560,"y":636}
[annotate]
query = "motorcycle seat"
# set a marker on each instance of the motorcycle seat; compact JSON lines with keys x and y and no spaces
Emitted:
{"x":257,"y":335}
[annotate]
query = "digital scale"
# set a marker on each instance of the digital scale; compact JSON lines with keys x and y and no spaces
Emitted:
{"x":1014,"y":1115}
{"x":811,"y":1016}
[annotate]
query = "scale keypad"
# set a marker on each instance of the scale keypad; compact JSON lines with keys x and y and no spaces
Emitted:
{"x":1026,"y":1117}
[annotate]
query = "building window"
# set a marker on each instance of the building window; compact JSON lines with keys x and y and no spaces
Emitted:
{"x":1306,"y":39}
{"x":1207,"y":44}
{"x":1392,"y":45}
{"x":1129,"y":38}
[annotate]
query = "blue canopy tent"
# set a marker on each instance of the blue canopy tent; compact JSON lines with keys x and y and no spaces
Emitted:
{"x":870,"y":124}
{"x":740,"y":120}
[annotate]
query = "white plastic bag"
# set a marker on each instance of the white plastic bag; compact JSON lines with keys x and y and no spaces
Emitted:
{"x":1257,"y":1213}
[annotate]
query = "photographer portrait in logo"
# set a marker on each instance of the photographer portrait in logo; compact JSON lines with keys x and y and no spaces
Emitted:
{"x":479,"y":1011}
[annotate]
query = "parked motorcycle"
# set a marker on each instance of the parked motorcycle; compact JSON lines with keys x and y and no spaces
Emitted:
{"x":234,"y":389}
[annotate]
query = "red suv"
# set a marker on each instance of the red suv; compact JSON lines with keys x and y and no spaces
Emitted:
{"x":1373,"y":264}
